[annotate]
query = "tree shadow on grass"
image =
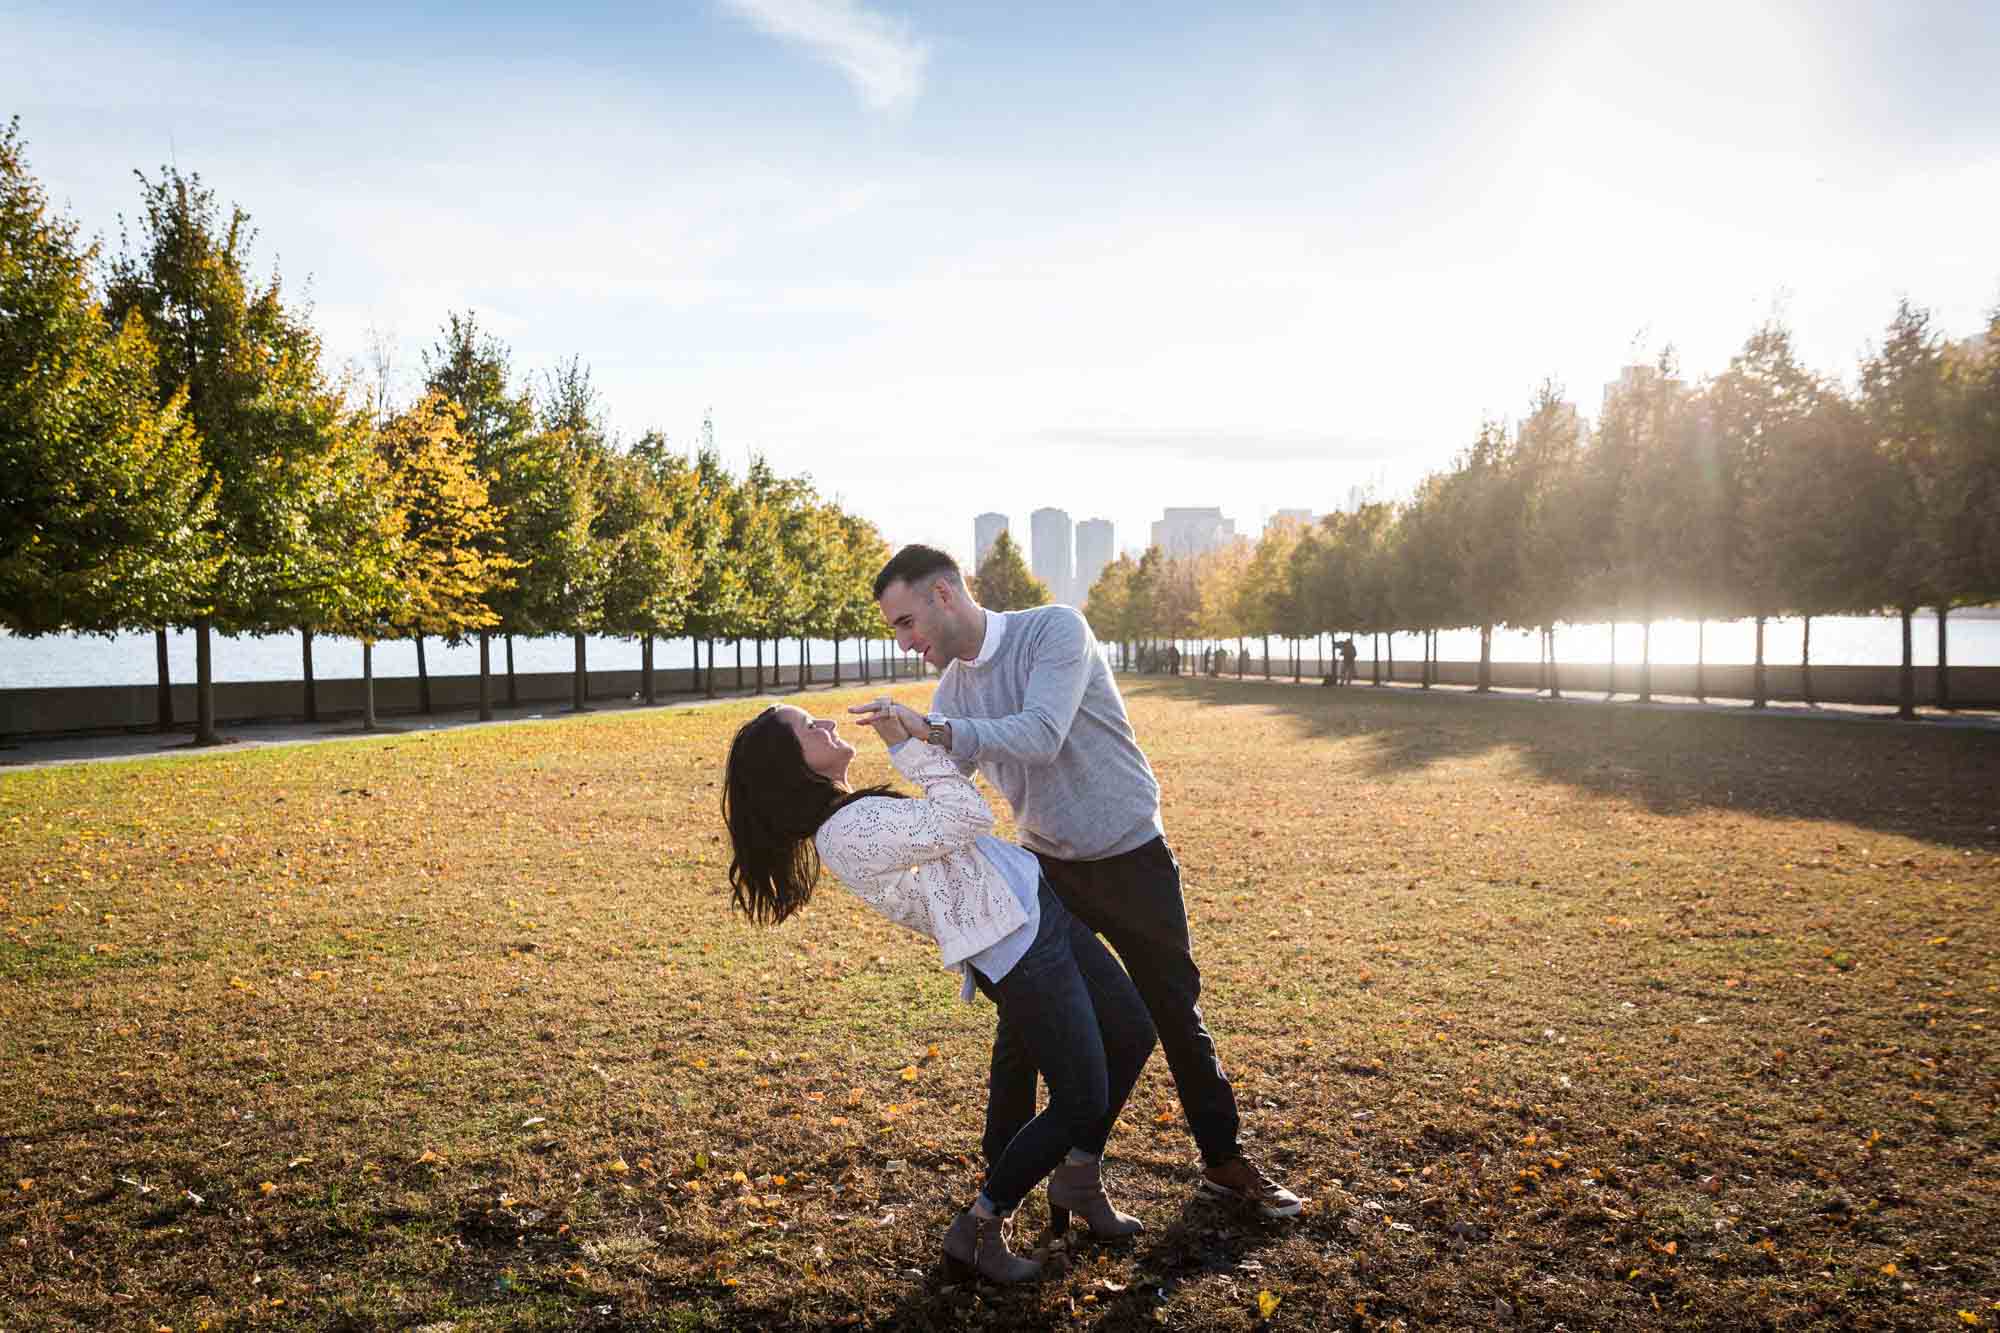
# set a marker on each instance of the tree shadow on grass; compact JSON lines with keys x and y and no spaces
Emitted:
{"x":1933,"y":784}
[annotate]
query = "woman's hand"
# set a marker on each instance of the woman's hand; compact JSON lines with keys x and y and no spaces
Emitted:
{"x":892,"y":721}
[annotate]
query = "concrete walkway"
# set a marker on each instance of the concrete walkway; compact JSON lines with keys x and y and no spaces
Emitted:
{"x":94,"y":747}
{"x":1880,"y":714}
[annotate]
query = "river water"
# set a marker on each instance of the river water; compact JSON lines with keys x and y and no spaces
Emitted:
{"x":128,"y":659}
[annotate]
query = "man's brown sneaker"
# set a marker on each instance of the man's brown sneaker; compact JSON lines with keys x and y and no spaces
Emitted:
{"x":1240,"y":1182}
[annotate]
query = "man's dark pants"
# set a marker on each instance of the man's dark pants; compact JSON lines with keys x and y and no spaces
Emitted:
{"x":1134,"y":901}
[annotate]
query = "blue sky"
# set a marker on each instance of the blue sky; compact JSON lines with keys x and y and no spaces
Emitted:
{"x":950,"y":258}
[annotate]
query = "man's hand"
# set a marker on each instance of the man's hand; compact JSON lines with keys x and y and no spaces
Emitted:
{"x":892,"y":721}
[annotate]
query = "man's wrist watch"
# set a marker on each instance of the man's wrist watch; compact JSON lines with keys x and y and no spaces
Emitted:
{"x":940,"y":730}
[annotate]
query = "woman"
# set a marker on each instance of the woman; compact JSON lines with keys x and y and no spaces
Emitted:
{"x":931,"y":864}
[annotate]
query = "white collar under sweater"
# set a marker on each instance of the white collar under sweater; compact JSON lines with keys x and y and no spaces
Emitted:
{"x":996,"y":630}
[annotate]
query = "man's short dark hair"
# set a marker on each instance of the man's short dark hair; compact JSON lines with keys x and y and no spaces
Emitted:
{"x":917,"y":566}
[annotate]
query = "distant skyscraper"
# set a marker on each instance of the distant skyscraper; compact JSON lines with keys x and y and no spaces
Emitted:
{"x":986,"y":530}
{"x":1051,"y":560}
{"x":1185,"y":532}
{"x":1095,"y":546}
{"x":1303,"y":517}
{"x":1633,"y":379}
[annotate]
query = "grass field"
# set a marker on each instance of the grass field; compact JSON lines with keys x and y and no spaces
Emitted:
{"x":1606,"y":1018}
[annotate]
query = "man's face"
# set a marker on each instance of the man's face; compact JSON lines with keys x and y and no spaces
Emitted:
{"x":920,"y":619}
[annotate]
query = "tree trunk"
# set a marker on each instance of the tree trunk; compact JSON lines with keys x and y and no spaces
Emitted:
{"x":805,"y":662}
{"x":1906,"y":681}
{"x":1805,"y":663}
{"x":513,"y":690}
{"x":1943,"y":698}
{"x":204,"y":685}
{"x":1375,"y":653}
{"x":1390,"y":641}
{"x":760,"y":663}
{"x":739,"y":664}
{"x":1298,"y":661}
{"x":1555,"y":671}
{"x":368,"y":685}
{"x":423,"y":679}
{"x":646,"y":669}
{"x":1267,"y":657}
{"x":1759,"y":696}
{"x":485,"y":675}
{"x":312,"y":687}
{"x":1485,"y":659}
{"x":711,"y":669}
{"x":1646,"y":660}
{"x":1239,"y":657}
{"x":1701,"y":660}
{"x":165,"y":705}
{"x":836,"y":662}
{"x":862,"y":645}
{"x":579,"y":685}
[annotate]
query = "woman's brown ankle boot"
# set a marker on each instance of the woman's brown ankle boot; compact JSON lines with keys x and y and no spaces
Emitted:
{"x":975,"y":1244}
{"x":1078,"y":1187}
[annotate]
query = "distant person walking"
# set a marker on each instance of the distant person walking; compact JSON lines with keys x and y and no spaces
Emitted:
{"x":1348,"y":653}
{"x":1025,"y":698}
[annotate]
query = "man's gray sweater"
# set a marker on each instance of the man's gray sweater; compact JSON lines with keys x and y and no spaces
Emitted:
{"x":1043,"y":720}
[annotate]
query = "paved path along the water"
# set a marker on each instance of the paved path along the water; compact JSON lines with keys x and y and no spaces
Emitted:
{"x":91,"y":747}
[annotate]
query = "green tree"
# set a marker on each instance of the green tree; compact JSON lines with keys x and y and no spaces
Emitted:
{"x":470,"y":367}
{"x":1263,"y":602}
{"x":696,"y":523}
{"x":1107,"y":606}
{"x":443,"y":562}
{"x":248,"y":366}
{"x":857,"y":615}
{"x":1547,"y":447}
{"x":566,"y":551}
{"x":1973,"y":461}
{"x":649,"y":570}
{"x":1488,"y":508}
{"x":1004,"y":582}
{"x":106,"y":507}
{"x":1755,"y":410}
{"x":1904,"y":403}
{"x":1424,"y":555}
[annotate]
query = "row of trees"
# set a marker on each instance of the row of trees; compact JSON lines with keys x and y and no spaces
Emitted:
{"x":1767,"y":490}
{"x":174,"y":454}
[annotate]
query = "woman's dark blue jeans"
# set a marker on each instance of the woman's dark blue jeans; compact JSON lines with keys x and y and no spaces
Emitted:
{"x":1070,"y":1009}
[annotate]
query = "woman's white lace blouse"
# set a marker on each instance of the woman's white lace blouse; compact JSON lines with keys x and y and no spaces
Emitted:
{"x":918,"y":862}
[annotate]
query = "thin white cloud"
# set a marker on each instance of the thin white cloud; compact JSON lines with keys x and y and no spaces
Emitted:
{"x":879,"y":54}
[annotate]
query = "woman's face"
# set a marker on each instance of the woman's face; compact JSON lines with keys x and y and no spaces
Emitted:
{"x":827,"y":752}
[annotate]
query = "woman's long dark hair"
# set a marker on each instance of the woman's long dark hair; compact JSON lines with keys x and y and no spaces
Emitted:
{"x":774,"y":804}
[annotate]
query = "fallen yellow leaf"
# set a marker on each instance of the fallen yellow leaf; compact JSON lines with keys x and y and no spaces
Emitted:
{"x":1267,"y":1304}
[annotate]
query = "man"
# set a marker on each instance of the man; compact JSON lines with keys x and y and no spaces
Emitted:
{"x":1026,"y":699}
